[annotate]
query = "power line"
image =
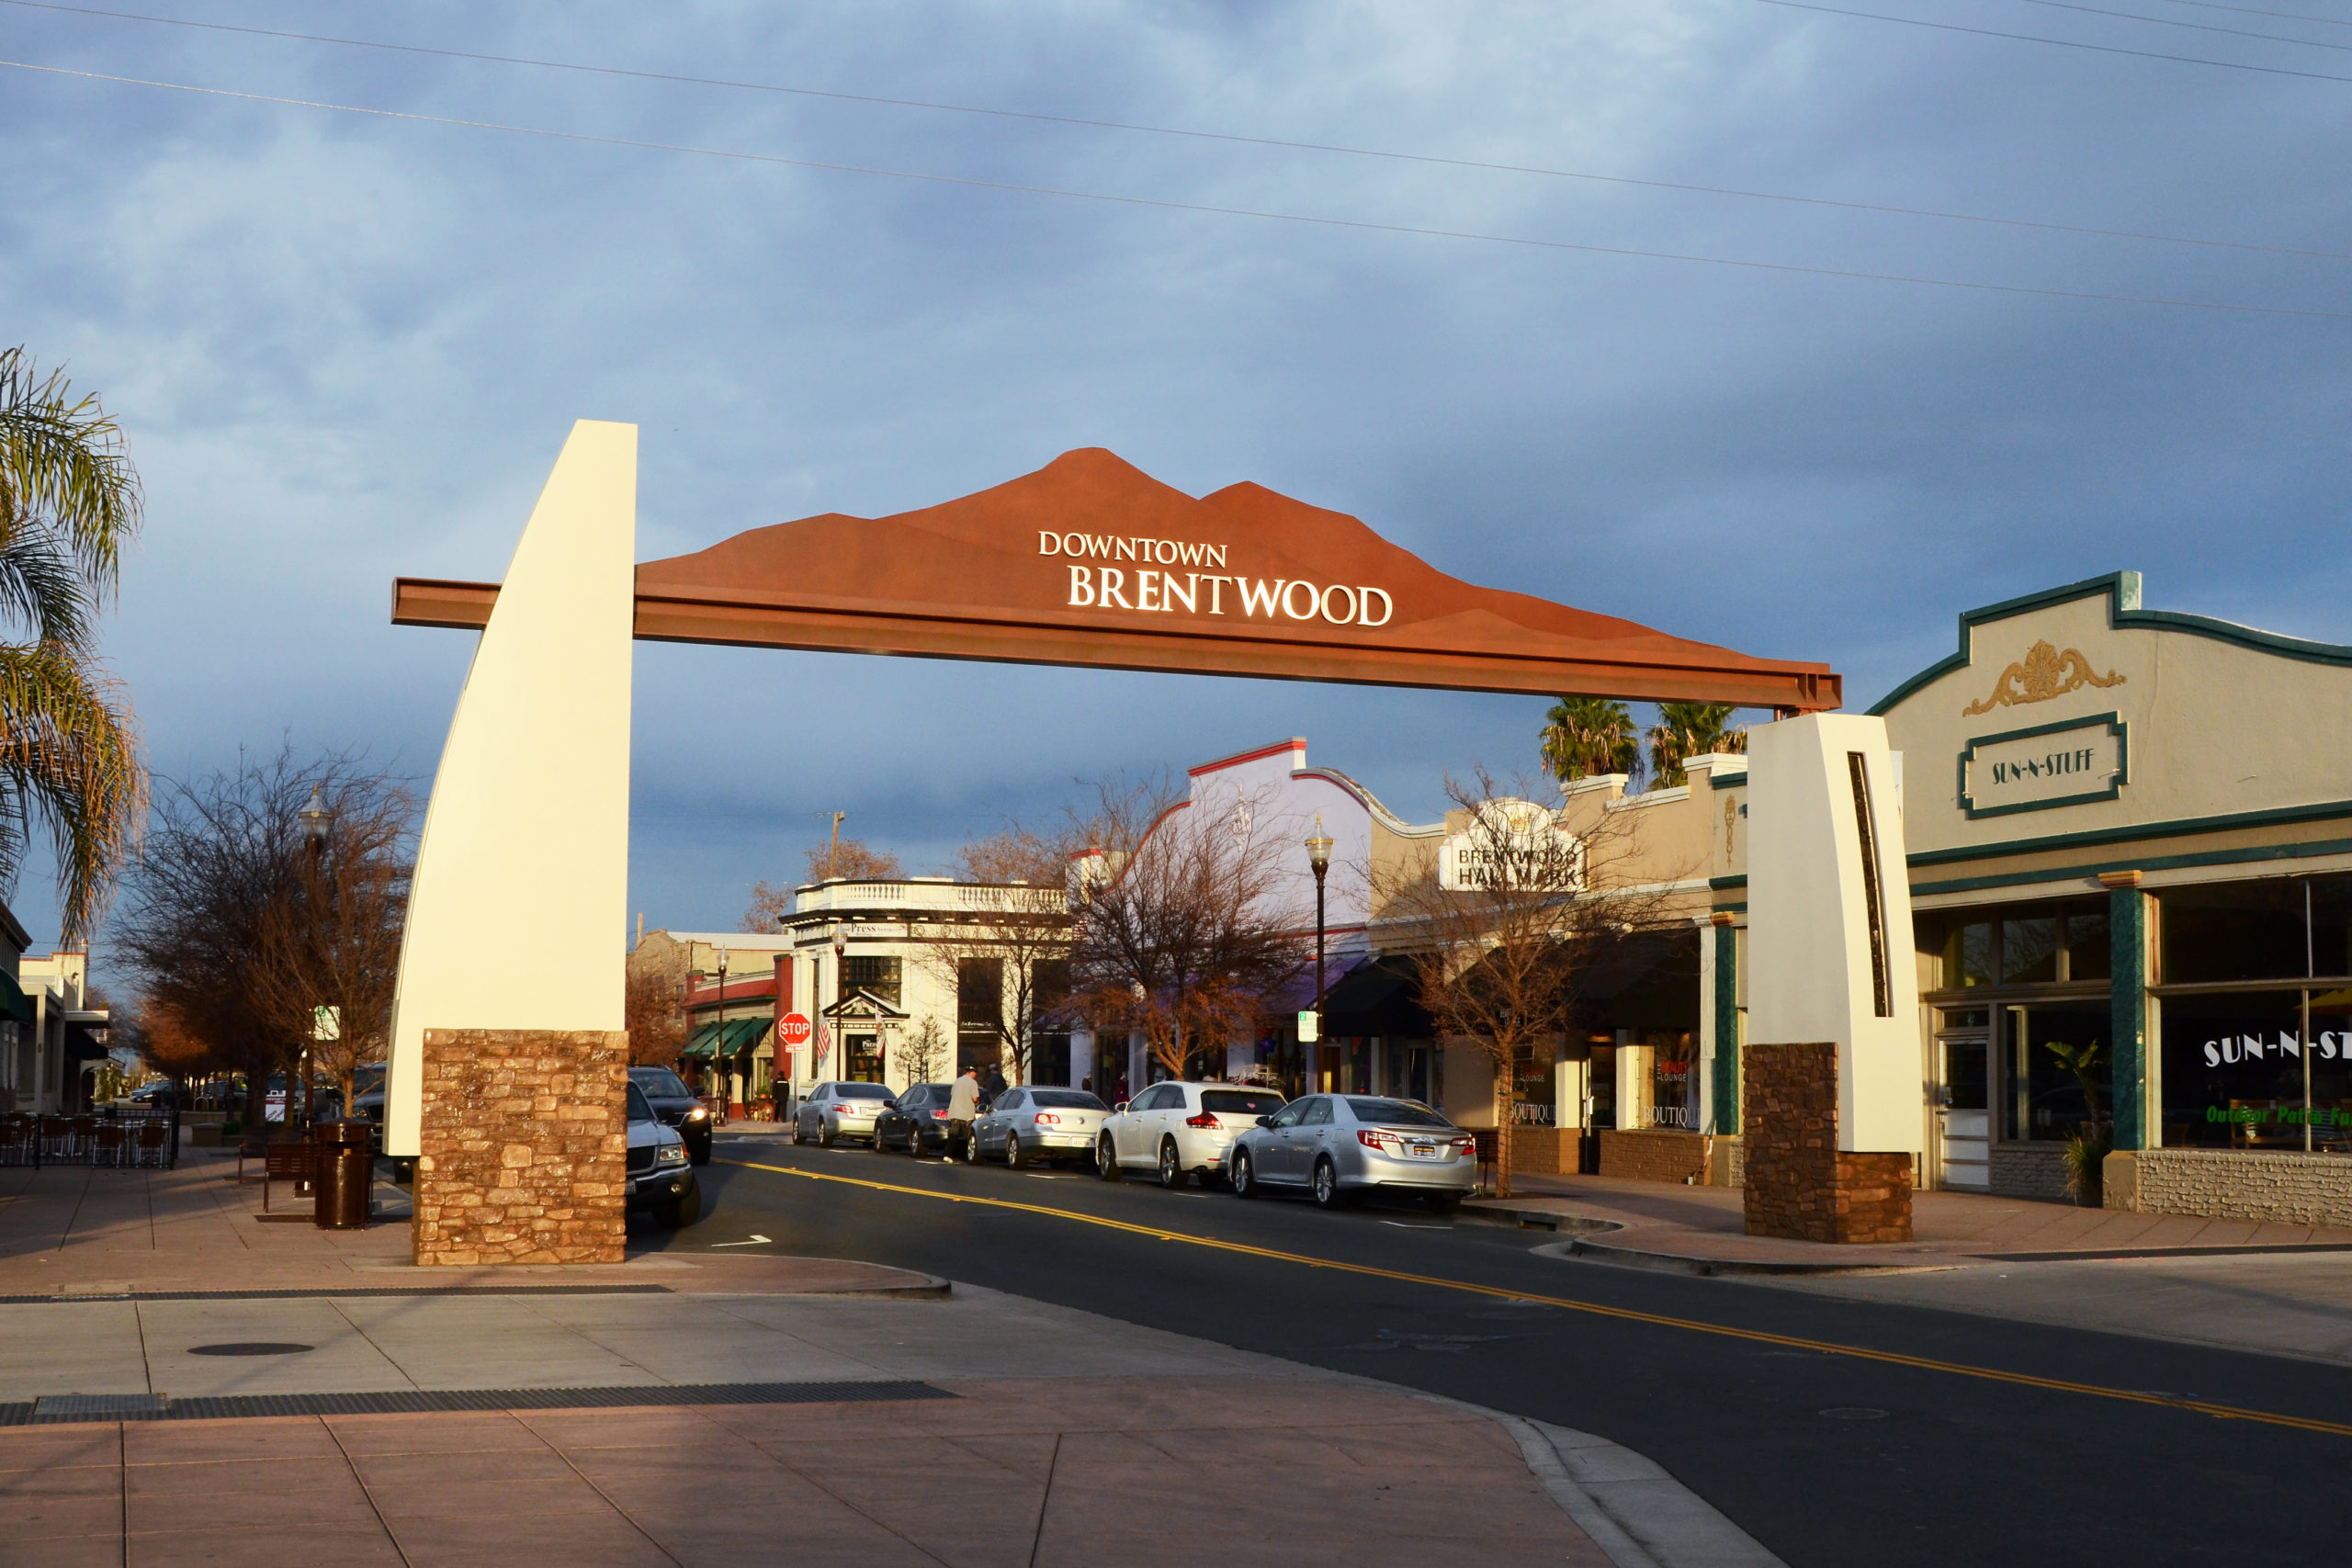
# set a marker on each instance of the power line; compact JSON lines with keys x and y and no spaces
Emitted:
{"x":1161,"y":204}
{"x":2193,"y":26}
{"x":2250,"y":11}
{"x":2037,"y":38}
{"x":681,"y":80}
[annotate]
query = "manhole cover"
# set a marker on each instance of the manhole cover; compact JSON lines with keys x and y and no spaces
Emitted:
{"x":1853,"y":1413}
{"x":251,"y":1348}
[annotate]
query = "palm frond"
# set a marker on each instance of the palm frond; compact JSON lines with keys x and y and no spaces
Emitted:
{"x":40,"y":587}
{"x":63,"y":462}
{"x":69,"y":760}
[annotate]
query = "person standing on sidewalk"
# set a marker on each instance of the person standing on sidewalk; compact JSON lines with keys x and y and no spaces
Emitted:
{"x":963,"y":1105}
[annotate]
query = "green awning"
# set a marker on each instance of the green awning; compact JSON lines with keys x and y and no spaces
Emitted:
{"x":14,"y":1004}
{"x":744,"y":1034}
{"x":702,"y":1044}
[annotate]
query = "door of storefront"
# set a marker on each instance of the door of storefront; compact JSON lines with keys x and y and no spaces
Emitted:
{"x":865,"y":1053}
{"x":1964,"y":1113}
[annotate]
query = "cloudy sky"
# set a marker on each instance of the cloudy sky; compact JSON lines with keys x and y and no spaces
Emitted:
{"x":349,"y":345}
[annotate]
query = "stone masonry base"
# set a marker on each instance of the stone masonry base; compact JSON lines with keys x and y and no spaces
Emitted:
{"x":1800,"y":1185}
{"x":524,"y":1146}
{"x":2280,"y":1187}
{"x":1654,"y":1153}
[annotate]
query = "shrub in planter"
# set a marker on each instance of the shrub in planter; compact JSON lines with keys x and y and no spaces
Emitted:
{"x":2086,"y":1154}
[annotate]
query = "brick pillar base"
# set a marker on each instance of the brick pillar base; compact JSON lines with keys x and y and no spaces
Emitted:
{"x":524,"y":1146}
{"x":1800,"y":1185}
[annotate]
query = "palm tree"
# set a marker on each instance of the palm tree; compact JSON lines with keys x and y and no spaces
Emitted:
{"x":1685,"y":730}
{"x":69,"y":752}
{"x":1585,"y":736}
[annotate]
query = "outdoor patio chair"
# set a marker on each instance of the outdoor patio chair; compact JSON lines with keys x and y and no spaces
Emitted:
{"x":19,"y":1139}
{"x":107,"y":1144}
{"x":56,"y":1136}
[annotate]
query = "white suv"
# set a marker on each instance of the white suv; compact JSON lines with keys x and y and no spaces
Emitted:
{"x":1179,"y":1128}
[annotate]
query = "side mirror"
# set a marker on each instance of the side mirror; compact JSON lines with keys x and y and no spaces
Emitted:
{"x":889,"y":1105}
{"x":1121,"y":1106}
{"x":1265,"y":1121}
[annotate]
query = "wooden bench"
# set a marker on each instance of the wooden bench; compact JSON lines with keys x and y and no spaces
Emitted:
{"x":286,"y":1161}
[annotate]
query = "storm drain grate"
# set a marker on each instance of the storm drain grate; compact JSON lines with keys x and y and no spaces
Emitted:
{"x":344,"y":1294}
{"x":425,"y":1402}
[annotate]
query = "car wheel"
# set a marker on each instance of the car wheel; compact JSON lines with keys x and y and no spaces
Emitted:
{"x":824,"y":1134}
{"x":1443,"y":1205}
{"x":1013,"y":1159}
{"x":1171,"y":1170}
{"x":1106,"y":1159}
{"x":679,"y":1216}
{"x":1242,"y":1176}
{"x":797,"y":1139}
{"x":1328,"y":1194}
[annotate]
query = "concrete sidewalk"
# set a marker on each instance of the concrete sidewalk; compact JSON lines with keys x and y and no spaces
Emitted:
{"x":1702,"y":1230}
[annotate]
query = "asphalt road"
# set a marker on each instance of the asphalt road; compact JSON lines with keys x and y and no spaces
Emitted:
{"x":1829,"y":1459}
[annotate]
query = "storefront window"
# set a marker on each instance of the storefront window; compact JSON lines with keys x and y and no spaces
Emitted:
{"x":1670,"y":1056}
{"x":1968,"y":956}
{"x":2234,"y":931}
{"x":1967,"y":1080}
{"x":2050,"y":1053}
{"x":2029,"y":950}
{"x":2089,"y":953}
{"x":877,"y":976}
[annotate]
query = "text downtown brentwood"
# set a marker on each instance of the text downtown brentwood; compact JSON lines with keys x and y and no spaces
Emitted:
{"x":1202,"y":594}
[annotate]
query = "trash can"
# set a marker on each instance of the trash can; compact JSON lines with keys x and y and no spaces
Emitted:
{"x":346,"y":1176}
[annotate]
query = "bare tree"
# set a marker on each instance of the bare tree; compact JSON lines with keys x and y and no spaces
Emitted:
{"x":226,"y":914}
{"x":1179,"y":927}
{"x":653,"y":1006}
{"x":1017,"y":935}
{"x":1509,"y":932}
{"x":923,"y":1052}
{"x":330,"y":948}
{"x":840,"y":858}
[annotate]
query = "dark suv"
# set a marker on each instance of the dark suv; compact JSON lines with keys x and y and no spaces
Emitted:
{"x":675,"y":1105}
{"x":915,"y":1122}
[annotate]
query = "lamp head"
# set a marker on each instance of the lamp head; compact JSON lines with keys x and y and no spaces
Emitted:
{"x":317,"y":820}
{"x":1319,"y":847}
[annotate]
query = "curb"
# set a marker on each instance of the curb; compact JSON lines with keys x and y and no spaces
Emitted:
{"x":1489,"y":1212}
{"x":1710,"y":1268}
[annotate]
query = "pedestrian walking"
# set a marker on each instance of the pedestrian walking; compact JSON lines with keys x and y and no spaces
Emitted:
{"x":963,"y":1105}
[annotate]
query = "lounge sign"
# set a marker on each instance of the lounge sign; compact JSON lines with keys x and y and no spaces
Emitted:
{"x":1141,"y":587}
{"x":2071,"y":763}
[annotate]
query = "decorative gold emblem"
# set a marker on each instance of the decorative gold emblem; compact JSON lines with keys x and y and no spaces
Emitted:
{"x":2042,"y":674}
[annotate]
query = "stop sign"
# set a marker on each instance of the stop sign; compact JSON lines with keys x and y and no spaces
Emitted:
{"x":795,"y":1030}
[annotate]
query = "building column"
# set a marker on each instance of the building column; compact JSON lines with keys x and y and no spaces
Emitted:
{"x":2128,"y":928}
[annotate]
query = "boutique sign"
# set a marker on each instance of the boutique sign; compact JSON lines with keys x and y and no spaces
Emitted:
{"x":2072,"y":763}
{"x":1142,"y":579}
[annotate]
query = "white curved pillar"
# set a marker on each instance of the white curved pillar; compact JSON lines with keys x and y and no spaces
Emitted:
{"x":519,"y":912}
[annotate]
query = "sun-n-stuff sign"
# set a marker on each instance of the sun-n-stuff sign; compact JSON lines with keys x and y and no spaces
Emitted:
{"x":1090,"y":561}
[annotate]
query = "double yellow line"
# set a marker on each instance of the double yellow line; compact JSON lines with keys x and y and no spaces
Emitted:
{"x":1625,"y":1314}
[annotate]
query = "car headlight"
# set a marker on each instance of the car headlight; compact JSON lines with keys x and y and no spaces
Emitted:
{"x":670,"y":1153}
{"x":698,"y":1114}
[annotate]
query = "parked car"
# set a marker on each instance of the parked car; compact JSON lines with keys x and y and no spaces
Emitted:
{"x":1338,"y":1147}
{"x":676,"y":1106}
{"x":660,"y":1174}
{"x":836,"y":1110}
{"x":1179,"y":1128}
{"x":916,"y":1120}
{"x":1048,"y":1123}
{"x":160,"y":1095}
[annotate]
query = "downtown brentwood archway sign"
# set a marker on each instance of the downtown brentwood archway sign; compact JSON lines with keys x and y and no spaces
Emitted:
{"x":522,"y":870}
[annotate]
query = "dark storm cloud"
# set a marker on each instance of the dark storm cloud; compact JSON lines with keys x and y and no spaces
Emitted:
{"x":349,"y":347}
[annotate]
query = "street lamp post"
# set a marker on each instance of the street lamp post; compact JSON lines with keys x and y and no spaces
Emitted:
{"x":1319,"y":855}
{"x":317,"y":823}
{"x":718,"y":1040}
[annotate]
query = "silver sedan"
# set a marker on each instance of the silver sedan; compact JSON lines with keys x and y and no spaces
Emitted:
{"x":1048,"y":1124}
{"x":1339,"y":1147}
{"x":836,"y":1110}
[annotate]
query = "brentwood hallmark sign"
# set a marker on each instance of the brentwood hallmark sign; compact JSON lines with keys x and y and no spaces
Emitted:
{"x":1520,"y":845}
{"x":1091,"y":561}
{"x":1203,"y":593}
{"x":2051,"y":765}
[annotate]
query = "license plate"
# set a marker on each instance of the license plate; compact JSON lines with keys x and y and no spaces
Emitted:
{"x":1424,"y":1151}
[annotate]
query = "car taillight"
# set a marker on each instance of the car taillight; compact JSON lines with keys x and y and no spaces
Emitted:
{"x":1462,"y":1146}
{"x":1046,"y":1119}
{"x":939,"y":1116}
{"x":1205,"y":1119}
{"x":1371,"y":1138}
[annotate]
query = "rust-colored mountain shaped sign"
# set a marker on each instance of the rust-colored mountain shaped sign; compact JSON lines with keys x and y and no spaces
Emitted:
{"x":1091,"y":561}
